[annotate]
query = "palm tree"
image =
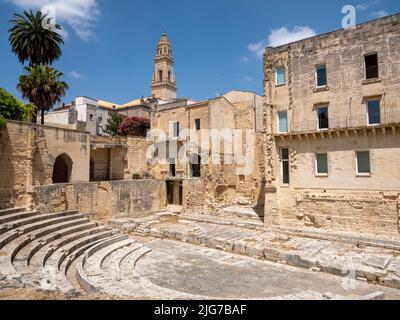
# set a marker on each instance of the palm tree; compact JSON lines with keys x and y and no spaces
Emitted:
{"x":32,"y":41}
{"x":41,"y":86}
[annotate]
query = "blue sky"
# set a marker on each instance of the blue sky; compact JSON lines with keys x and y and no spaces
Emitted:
{"x":110,"y":45}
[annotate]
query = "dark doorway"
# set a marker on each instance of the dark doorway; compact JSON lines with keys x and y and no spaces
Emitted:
{"x":170,"y":192}
{"x":195,"y":164}
{"x":91,"y":171}
{"x":180,"y":193}
{"x":62,"y":169}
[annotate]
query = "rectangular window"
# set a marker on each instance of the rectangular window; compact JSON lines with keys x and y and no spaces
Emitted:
{"x":374,"y":112}
{"x":371,"y":66}
{"x":172,"y":168}
{"x":283,"y":122}
{"x":323,"y":118}
{"x":285,"y":166}
{"x":197,"y":124}
{"x":322,"y":79}
{"x":363,"y":163}
{"x":280,"y":76}
{"x":176,"y":129}
{"x":322,"y":164}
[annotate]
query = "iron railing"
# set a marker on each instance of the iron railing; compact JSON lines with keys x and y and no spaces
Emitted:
{"x":372,"y":72}
{"x":349,"y":122}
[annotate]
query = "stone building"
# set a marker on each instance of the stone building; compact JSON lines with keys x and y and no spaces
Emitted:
{"x":91,"y":115}
{"x":197,"y":173}
{"x":332,"y":135}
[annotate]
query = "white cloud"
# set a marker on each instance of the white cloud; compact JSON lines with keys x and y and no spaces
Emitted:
{"x":245,"y":59}
{"x":80,"y":15}
{"x":367,"y":5}
{"x":76,"y":75}
{"x":283,"y":35}
{"x":257,"y":48}
{"x":362,"y":7}
{"x":248,"y":79}
{"x":379,"y":14}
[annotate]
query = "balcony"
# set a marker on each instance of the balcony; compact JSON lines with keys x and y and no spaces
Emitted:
{"x":384,"y":120}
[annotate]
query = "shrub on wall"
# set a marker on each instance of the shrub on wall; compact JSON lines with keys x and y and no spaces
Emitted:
{"x":147,"y":175}
{"x":135,"y":126}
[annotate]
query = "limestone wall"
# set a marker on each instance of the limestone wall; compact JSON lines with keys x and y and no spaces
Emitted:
{"x":27,"y":157}
{"x":103,"y":199}
{"x":371,"y":212}
{"x":136,"y":157}
{"x":342,"y":200}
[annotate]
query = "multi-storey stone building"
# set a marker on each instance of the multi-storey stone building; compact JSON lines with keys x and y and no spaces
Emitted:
{"x":333,"y":136}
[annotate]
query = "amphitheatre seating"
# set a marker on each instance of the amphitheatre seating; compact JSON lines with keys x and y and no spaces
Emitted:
{"x":41,"y":248}
{"x":10,"y":211}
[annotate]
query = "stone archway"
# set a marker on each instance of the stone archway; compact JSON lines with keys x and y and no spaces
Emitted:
{"x":62,"y":169}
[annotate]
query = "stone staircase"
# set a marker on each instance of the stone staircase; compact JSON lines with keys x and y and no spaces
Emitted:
{"x":61,"y":251}
{"x":251,"y":214}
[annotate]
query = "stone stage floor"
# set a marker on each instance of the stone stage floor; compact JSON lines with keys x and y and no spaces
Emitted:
{"x":209,"y":272}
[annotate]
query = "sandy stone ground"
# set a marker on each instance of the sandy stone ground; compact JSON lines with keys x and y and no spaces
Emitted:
{"x":14,"y":290}
{"x":204,"y":271}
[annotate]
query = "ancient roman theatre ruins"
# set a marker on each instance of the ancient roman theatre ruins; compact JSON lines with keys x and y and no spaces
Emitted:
{"x":293,"y":195}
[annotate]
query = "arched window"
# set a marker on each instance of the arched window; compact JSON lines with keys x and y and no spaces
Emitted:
{"x":195,"y":165}
{"x":62,"y":169}
{"x":160,"y":75}
{"x":169,"y":75}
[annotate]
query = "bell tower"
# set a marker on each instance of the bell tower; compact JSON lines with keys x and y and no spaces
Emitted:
{"x":163,"y":85}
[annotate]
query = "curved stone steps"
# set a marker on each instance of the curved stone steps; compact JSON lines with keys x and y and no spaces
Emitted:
{"x":112,"y":263}
{"x":129,"y":261}
{"x":118,"y":283}
{"x":15,"y":234}
{"x":6,"y":212}
{"x":88,"y":268}
{"x":96,"y":256}
{"x":9,"y":230}
{"x":48,"y":234}
{"x":61,"y":279}
{"x":58,"y":257}
{"x":22,"y":256}
{"x":17,"y":216}
{"x":14,"y":239}
{"x":40,"y":257}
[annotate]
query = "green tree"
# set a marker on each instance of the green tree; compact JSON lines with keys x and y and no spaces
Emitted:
{"x":3,"y":122}
{"x":31,"y":40}
{"x":114,"y":123}
{"x":42,"y":87}
{"x":12,"y":109}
